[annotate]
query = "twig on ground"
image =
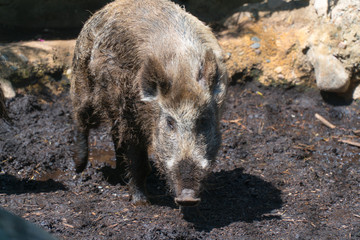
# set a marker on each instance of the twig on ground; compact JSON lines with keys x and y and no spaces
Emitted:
{"x":353,"y":143}
{"x":324,"y":121}
{"x":68,"y":225}
{"x":357,"y":132}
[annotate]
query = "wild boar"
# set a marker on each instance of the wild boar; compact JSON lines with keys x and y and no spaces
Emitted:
{"x":155,"y":73}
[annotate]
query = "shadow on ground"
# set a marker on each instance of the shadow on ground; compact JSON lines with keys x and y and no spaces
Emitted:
{"x":230,"y":196}
{"x":12,"y":185}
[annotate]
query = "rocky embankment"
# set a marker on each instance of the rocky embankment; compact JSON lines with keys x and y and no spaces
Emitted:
{"x":275,"y":41}
{"x":297,"y":42}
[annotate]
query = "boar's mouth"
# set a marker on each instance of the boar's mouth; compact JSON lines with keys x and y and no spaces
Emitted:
{"x":187,"y":179}
{"x":187,"y":198}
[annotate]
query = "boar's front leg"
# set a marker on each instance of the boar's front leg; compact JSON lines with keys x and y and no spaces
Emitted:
{"x":138,"y":168}
{"x":132,"y":158}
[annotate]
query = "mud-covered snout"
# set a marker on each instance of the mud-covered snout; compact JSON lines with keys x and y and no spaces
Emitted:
{"x":187,"y":198}
{"x":187,"y":182}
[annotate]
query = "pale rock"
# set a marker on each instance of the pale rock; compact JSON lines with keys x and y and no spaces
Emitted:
{"x":321,"y":7}
{"x":330,"y":74}
{"x":7,"y":88}
{"x":346,"y":12}
{"x":278,"y":70}
{"x":356,"y":93}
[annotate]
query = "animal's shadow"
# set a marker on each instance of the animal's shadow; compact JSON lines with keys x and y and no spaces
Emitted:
{"x":229,"y":196}
{"x":12,"y":185}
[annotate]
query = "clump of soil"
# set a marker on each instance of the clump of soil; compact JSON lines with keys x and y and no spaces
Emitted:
{"x":280,"y":173}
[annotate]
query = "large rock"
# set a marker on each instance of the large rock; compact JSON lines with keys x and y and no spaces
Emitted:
{"x":24,"y":63}
{"x":7,"y":88}
{"x":276,"y":41}
{"x":321,"y":7}
{"x":3,"y":111}
{"x":335,"y":46}
{"x":301,"y":42}
{"x":331,"y":75}
{"x":266,"y":41}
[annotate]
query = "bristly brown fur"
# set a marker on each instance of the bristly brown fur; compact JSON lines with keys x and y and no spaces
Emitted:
{"x":155,"y":74}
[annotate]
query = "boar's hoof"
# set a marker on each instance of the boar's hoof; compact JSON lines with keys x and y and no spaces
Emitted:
{"x":80,"y":164}
{"x":187,"y":198}
{"x":139,"y":199}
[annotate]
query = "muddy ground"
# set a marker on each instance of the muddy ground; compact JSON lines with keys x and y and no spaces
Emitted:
{"x":280,"y":174}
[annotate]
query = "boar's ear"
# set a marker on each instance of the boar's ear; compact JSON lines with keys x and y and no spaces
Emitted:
{"x":153,"y":80}
{"x":211,"y":76}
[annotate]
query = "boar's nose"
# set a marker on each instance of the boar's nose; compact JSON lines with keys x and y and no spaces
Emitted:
{"x":187,"y":198}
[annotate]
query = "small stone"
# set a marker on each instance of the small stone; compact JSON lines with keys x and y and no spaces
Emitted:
{"x":23,"y":58}
{"x":3,"y":58}
{"x":68,"y":72}
{"x":267,"y":60}
{"x":278,"y":70}
{"x":227,"y":56}
{"x":14,"y":68}
{"x":255,"y":45}
{"x":258,"y":51}
{"x":342,"y":45}
{"x":255,"y":39}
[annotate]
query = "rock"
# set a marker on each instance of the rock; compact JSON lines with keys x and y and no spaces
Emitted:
{"x":22,"y":61}
{"x":7,"y":88}
{"x":278,"y":70}
{"x":287,"y":37}
{"x":356,"y":93}
{"x":280,"y":36}
{"x":337,"y":36}
{"x":255,"y":39}
{"x":342,"y":44}
{"x":258,"y":51}
{"x":346,"y":12}
{"x":3,"y":111}
{"x":330,"y":73}
{"x":321,"y":7}
{"x":255,"y":45}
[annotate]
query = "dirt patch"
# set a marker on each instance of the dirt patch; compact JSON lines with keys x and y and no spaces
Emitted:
{"x":280,"y":174}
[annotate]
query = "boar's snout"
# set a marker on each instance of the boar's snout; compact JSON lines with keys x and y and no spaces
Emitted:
{"x":187,"y":198}
{"x":187,"y":178}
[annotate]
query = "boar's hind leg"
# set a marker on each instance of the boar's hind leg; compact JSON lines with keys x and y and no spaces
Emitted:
{"x":119,"y":154}
{"x":81,"y":149}
{"x":84,"y":119}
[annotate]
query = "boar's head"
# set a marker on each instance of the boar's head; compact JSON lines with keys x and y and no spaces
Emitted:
{"x":188,"y":97}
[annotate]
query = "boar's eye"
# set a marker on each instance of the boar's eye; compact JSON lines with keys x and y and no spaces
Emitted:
{"x":170,"y":123}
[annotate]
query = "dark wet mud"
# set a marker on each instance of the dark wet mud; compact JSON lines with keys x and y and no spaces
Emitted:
{"x":280,"y":174}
